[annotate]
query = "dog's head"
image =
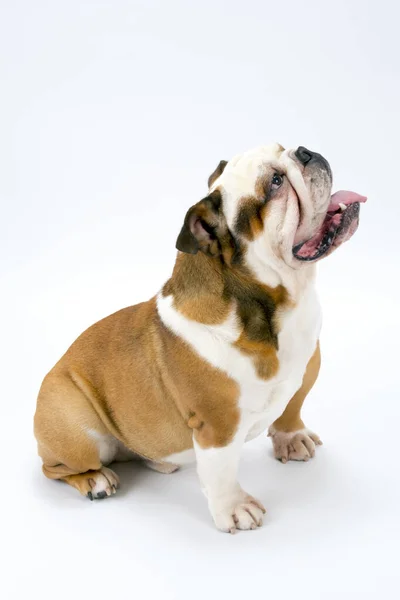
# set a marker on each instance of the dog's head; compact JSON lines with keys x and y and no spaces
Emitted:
{"x":274,"y":205}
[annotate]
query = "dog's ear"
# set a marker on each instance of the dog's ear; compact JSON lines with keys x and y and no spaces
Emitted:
{"x":203,"y":227}
{"x":218,"y":171}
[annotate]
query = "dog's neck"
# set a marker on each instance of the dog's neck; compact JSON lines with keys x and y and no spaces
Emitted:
{"x":295,"y":281}
{"x":204,"y":287}
{"x":203,"y":277}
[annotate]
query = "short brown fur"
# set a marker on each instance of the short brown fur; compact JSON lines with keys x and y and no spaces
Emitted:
{"x":254,"y":210}
{"x":130,"y":376}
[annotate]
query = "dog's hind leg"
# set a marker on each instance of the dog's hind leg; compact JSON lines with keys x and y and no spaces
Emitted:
{"x":73,"y":442}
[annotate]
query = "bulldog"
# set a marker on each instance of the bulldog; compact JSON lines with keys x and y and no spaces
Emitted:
{"x":227,"y":350}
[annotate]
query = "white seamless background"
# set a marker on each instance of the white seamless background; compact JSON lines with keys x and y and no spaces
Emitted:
{"x":113,"y":115}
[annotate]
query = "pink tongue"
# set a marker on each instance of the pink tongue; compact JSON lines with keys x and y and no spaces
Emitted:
{"x":346,"y":198}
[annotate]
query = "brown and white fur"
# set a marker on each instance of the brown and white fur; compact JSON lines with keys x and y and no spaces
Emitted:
{"x":227,"y":350}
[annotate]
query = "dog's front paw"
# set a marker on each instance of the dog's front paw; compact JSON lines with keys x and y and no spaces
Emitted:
{"x":295,"y":445}
{"x":239,"y":512}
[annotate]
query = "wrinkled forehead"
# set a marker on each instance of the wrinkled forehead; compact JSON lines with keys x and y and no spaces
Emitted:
{"x":244,"y":170}
{"x":242,"y":163}
{"x":247,"y":167}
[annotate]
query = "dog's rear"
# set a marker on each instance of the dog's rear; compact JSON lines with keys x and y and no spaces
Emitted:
{"x":102,"y":398}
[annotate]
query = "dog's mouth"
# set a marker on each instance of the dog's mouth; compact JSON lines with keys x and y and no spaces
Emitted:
{"x":339,"y":225}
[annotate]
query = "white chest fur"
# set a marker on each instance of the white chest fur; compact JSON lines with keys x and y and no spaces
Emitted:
{"x":261,"y":402}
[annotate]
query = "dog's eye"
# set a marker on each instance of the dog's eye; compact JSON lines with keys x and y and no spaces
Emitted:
{"x":277,"y":181}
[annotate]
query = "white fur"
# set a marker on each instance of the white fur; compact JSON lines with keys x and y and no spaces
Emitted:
{"x":186,"y":457}
{"x":110,"y":448}
{"x":229,"y":505}
{"x":107,"y":445}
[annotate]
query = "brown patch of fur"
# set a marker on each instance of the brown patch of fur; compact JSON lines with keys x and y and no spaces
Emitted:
{"x":249,"y":220}
{"x":218,"y":171}
{"x":253,"y":210}
{"x":257,"y":305}
{"x":206,"y":290}
{"x":197,"y":289}
{"x":257,"y":308}
{"x":264,"y":356}
{"x":205,"y":395}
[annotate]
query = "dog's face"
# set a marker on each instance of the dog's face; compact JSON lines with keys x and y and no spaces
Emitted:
{"x":271,"y":205}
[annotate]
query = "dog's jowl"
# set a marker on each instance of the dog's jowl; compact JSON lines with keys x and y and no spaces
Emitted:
{"x":226,"y":351}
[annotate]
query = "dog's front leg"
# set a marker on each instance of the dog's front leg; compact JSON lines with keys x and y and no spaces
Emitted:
{"x":230,"y":506}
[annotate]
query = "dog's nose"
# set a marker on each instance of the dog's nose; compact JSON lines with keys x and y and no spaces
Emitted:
{"x":304,"y":155}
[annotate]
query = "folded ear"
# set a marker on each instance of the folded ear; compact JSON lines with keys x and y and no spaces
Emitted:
{"x":218,"y":171}
{"x":203,"y":227}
